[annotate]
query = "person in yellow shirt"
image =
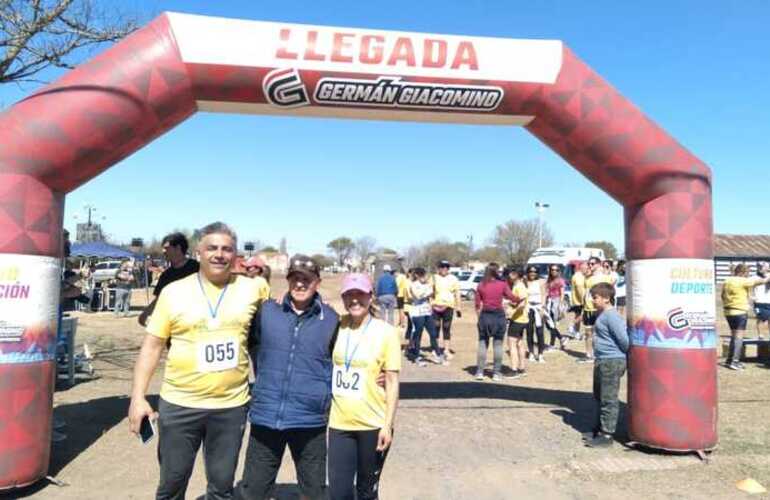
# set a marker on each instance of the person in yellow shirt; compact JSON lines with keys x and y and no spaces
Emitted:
{"x":595,"y":276}
{"x":518,"y":319}
{"x":735,"y":300}
{"x":206,"y":315}
{"x":577,"y":294}
{"x":446,"y":301}
{"x":362,"y":412}
{"x":402,"y":284}
{"x":254,"y":267}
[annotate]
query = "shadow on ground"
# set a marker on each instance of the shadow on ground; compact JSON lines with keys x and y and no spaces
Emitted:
{"x":576,"y":409}
{"x":85,"y":422}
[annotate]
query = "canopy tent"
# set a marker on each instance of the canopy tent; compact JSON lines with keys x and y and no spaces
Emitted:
{"x":101,"y":249}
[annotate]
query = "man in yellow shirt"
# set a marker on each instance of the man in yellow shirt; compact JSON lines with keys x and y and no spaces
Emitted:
{"x":446,"y":300}
{"x":735,"y":300}
{"x":206,"y":316}
{"x":595,"y":276}
{"x":577,"y":294}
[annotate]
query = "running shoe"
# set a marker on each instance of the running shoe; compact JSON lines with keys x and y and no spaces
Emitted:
{"x":530,"y":356}
{"x":740,"y":365}
{"x":516,"y":374}
{"x":540,"y":358}
{"x":497,"y":377}
{"x":436,"y":358}
{"x":600,"y":441}
{"x":421,"y":362}
{"x":522,"y":373}
{"x":549,"y":348}
{"x":479,"y":375}
{"x":734,"y":366}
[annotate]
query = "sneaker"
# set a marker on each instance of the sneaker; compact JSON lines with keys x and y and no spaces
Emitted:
{"x":549,"y":348}
{"x":516,"y":374}
{"x":421,"y":362}
{"x":740,"y":365}
{"x":530,"y":356}
{"x":587,"y":359}
{"x":444,"y":362}
{"x":522,"y":373}
{"x":600,"y":441}
{"x":540,"y":358}
{"x":448,"y":354}
{"x":734,"y":366}
{"x":589,"y":436}
{"x":564,"y":342}
{"x":479,"y":376}
{"x":497,"y":377}
{"x":436,"y":358}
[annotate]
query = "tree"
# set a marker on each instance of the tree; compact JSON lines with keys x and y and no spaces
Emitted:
{"x":429,"y":254}
{"x":322,"y":260}
{"x":283,"y":246}
{"x":489,"y":254}
{"x":37,"y":34}
{"x":365,"y":245}
{"x":610,"y":252}
{"x":342,"y":247}
{"x":516,"y":240}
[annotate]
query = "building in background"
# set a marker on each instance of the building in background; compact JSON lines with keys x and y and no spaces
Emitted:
{"x":88,"y":232}
{"x":733,"y":249}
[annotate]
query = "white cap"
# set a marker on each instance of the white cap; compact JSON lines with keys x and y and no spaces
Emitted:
{"x":387,"y":268}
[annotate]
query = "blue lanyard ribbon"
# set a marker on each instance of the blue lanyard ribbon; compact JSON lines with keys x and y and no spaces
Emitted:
{"x":212,"y":310}
{"x":349,"y":359}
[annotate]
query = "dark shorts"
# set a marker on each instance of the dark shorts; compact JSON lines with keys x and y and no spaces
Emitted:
{"x":491,"y":324}
{"x":399,"y":302}
{"x":620,"y":301}
{"x":738,"y":322}
{"x":589,"y":318}
{"x":578,"y":309}
{"x":762,"y":311}
{"x":516,"y":330}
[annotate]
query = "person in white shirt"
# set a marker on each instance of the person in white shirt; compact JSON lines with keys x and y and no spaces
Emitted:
{"x":761,"y":298}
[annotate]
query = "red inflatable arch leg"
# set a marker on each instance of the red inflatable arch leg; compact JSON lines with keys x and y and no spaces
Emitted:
{"x":96,"y":115}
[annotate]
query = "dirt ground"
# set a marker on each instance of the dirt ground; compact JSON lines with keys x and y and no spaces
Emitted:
{"x":455,"y":438}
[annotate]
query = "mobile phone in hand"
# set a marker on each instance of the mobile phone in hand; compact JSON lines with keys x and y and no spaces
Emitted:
{"x":459,"y":313}
{"x":147,"y":430}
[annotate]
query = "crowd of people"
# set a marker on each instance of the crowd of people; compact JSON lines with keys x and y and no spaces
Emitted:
{"x":326,"y":385}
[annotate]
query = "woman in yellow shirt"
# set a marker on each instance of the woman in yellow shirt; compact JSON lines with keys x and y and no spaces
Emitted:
{"x":518,"y":319}
{"x":735,"y":300}
{"x":362,"y":413}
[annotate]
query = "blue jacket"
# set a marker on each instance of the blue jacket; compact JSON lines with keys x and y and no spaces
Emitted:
{"x":292,"y":358}
{"x":386,"y":285}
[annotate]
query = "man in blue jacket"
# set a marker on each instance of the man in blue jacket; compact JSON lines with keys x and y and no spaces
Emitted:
{"x":387,"y":290}
{"x":291,"y":346}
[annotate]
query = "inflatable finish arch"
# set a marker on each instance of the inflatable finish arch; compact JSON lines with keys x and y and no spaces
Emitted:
{"x":96,"y":115}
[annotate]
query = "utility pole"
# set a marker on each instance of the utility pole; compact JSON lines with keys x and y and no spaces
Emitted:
{"x":540,"y":207}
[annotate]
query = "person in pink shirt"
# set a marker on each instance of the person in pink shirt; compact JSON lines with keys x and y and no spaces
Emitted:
{"x":491,"y":323}
{"x":554,"y":311}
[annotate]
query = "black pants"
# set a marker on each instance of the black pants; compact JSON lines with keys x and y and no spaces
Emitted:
{"x":353,"y":457}
{"x":181,"y":431}
{"x":443,"y":321}
{"x":409,"y":327}
{"x":607,"y":375}
{"x":264,"y":455}
{"x":532,"y":330}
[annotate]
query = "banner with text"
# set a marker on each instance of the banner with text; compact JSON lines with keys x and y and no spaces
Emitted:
{"x":29,"y":298}
{"x":671,"y":303}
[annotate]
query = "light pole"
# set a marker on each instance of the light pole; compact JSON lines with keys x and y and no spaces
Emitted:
{"x":540,"y":207}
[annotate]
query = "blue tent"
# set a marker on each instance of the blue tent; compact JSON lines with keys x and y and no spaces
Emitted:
{"x":101,"y":249}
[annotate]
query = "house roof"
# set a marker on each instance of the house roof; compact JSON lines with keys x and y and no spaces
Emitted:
{"x":742,"y":245}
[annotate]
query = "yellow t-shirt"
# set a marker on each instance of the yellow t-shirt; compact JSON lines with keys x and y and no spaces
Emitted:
{"x":264,"y":288}
{"x":402,"y":283}
{"x":578,"y":289}
{"x":444,"y":289}
{"x":588,"y":303}
{"x":208,"y":361}
{"x":735,"y":294}
{"x":519,"y":314}
{"x":358,"y":403}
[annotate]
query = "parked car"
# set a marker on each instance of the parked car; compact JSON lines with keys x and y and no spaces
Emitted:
{"x":469,"y":284}
{"x":105,"y":271}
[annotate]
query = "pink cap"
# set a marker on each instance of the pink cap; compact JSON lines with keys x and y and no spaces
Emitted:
{"x":356,"y":281}
{"x":254,"y":261}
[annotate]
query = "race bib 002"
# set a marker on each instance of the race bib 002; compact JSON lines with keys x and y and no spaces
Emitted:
{"x":348,"y":383}
{"x":218,"y":355}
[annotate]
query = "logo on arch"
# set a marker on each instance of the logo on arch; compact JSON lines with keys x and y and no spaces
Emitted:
{"x":284,"y":88}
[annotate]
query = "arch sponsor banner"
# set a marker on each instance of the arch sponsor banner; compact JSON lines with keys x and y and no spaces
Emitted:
{"x":671,"y":303}
{"x":29,"y":292}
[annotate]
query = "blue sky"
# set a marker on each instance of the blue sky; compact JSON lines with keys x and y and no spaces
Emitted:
{"x":697,"y":68}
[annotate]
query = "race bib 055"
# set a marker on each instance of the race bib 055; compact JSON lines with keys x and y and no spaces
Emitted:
{"x":218,"y":355}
